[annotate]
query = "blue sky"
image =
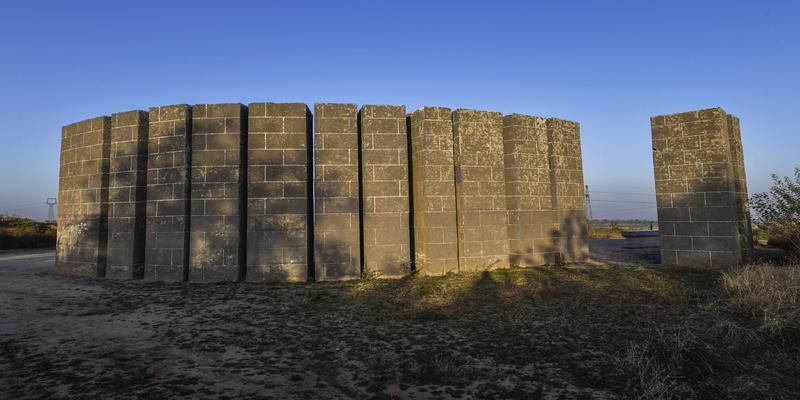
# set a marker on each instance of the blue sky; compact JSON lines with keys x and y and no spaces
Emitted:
{"x":608,"y":65}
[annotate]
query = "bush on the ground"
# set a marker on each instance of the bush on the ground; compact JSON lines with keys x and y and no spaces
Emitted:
{"x":23,"y":233}
{"x":778,"y":212}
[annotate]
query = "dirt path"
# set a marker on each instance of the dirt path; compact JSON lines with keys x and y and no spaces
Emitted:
{"x":520,"y":333}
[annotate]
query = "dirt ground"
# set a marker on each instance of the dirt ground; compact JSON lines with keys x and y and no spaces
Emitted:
{"x":545,"y":332}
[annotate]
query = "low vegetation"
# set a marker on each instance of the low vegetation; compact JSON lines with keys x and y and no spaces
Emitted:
{"x":606,"y":229}
{"x":573,"y":332}
{"x":778,"y":212}
{"x":23,"y":233}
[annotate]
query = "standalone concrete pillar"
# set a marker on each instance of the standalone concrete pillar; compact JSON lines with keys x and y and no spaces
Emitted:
{"x":127,"y":195}
{"x":434,"y":197}
{"x":336,"y":207}
{"x":700,"y":189}
{"x":168,"y":181}
{"x":480,"y":190}
{"x":83,"y":197}
{"x":532,"y":237}
{"x":279,"y":203}
{"x":741,"y":200}
{"x":384,"y":179}
{"x":217,"y":243}
{"x":566,"y":180}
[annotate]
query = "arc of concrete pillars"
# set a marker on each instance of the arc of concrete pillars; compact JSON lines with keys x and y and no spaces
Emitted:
{"x":229,"y":192}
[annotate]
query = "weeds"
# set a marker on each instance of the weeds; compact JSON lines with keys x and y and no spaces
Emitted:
{"x":770,"y":292}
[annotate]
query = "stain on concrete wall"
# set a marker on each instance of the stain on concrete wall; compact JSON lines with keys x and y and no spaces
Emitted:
{"x":567,"y":189}
{"x":83,"y":198}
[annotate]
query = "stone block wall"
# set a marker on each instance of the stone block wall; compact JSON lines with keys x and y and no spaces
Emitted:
{"x":434,"y":194}
{"x":127,"y":191}
{"x":480,"y":190}
{"x":224,"y":192}
{"x":83,"y":198}
{"x":279,"y":223}
{"x":168,"y":183}
{"x":216,"y":246}
{"x":742,"y":202}
{"x":337,"y":245}
{"x":531,"y":213}
{"x":567,"y":189}
{"x":384,"y":179}
{"x":700,"y":189}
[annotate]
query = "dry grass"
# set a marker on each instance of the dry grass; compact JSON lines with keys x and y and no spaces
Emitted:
{"x":611,"y":331}
{"x":23,"y":233}
{"x":769,"y":292}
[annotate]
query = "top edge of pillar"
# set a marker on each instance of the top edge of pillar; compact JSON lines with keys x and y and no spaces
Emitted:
{"x":555,"y":122}
{"x":212,"y":110}
{"x":89,"y":124}
{"x":169,"y":106}
{"x":335,"y":110}
{"x":131,"y":117}
{"x":478,"y":116}
{"x":524,"y":119}
{"x":278,"y":109}
{"x":432,"y":112}
{"x":687,"y":116}
{"x":383,"y":110}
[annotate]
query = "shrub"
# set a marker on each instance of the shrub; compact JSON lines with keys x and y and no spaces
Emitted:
{"x":770,"y":292}
{"x":778,"y":212}
{"x":20,"y":233}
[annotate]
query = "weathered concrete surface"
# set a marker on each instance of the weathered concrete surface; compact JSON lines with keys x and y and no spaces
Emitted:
{"x":700,"y":189}
{"x":337,"y":245}
{"x":483,"y":192}
{"x":168,"y":180}
{"x":740,"y":197}
{"x":531,"y":216}
{"x":384,"y":180}
{"x":83,"y":198}
{"x":434,"y":197}
{"x":279,"y":221}
{"x":567,"y":189}
{"x":216,"y":244}
{"x":127,"y":195}
{"x":480,"y":190}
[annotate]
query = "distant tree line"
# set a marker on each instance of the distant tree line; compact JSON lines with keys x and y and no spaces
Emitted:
{"x":22,"y":233}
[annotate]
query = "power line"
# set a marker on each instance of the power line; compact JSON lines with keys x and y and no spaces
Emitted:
{"x":625,"y":201}
{"x":631,"y":193}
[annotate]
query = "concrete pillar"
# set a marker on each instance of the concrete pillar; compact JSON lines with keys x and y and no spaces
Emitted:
{"x":700,"y":189}
{"x":384,"y":180}
{"x":480,"y":190}
{"x":279,"y":221}
{"x":433,"y":182}
{"x":83,"y":197}
{"x":127,"y":195}
{"x":336,"y":214}
{"x":217,"y":242}
{"x":168,"y":181}
{"x":531,"y":216}
{"x":569,"y":196}
{"x":742,"y":202}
